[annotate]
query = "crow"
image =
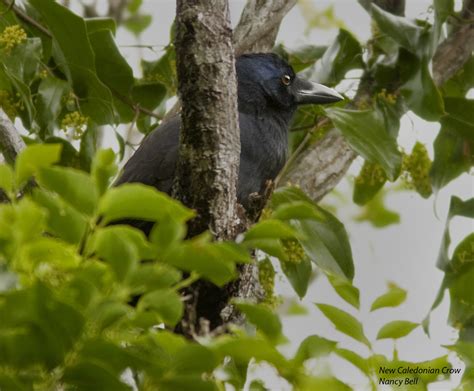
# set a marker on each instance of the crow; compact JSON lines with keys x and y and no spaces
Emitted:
{"x":269,"y":93}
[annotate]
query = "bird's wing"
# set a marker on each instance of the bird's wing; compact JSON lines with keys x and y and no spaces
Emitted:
{"x":154,"y":162}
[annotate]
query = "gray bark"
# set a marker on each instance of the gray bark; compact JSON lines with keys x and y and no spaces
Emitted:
{"x":209,"y":151}
{"x":11,"y":142}
{"x":259,"y":24}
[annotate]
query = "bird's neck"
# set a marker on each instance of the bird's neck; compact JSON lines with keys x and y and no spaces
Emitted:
{"x":263,"y":111}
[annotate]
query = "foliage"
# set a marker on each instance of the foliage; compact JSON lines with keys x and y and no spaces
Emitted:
{"x":70,"y":268}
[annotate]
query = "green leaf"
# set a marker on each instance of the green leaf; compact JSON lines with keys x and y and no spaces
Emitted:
{"x":122,"y":247}
{"x":194,"y":358}
{"x":243,"y":349}
{"x":167,"y":233}
{"x":354,"y":359}
{"x":166,"y":303}
{"x":151,"y":276}
{"x":263,"y":318}
{"x":367,"y":184}
{"x":418,"y":89}
{"x":6,"y":178}
{"x":345,"y":290}
{"x":100,"y":23}
{"x":138,"y":23}
{"x":209,"y":260}
{"x":341,"y":56}
{"x":36,"y":328}
{"x":24,"y":59}
{"x":457,"y":207}
{"x":461,"y":310}
{"x":27,"y":113}
{"x":103,"y":169}
{"x":73,"y":186}
{"x":162,"y":70}
{"x":322,"y":236}
{"x":313,"y":347}
{"x":112,"y":69}
{"x":63,"y":221}
{"x":298,"y":274}
{"x":140,"y":202}
{"x":33,"y":158}
{"x":301,"y":57}
{"x":77,"y":58}
{"x":402,"y":30}
{"x":344,"y":322}
{"x":91,"y":375}
{"x":376,"y":213}
{"x":452,"y":153}
{"x":49,"y":103}
{"x":392,"y":298}
{"x":271,"y":229}
{"x":396,"y":329}
{"x":365,"y":132}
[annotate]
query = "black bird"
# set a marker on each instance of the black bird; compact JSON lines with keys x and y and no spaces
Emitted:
{"x":269,"y":93}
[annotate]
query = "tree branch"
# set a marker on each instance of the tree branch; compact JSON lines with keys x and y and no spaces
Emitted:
{"x":453,"y":53}
{"x":259,"y":24}
{"x":209,"y":151}
{"x":11,"y":142}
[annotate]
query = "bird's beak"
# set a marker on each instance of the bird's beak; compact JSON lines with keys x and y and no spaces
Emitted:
{"x":307,"y":92}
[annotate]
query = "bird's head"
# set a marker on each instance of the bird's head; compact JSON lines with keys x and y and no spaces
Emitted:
{"x":266,"y":79}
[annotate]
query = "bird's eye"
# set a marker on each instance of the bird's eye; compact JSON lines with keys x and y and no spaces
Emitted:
{"x":286,"y":80}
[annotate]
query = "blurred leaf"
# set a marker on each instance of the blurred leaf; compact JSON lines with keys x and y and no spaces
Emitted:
{"x":140,"y":202}
{"x":271,"y":229}
{"x":122,"y":247}
{"x":92,"y":375}
{"x":366,"y":133}
{"x":341,"y":56}
{"x":150,"y":276}
{"x":63,"y":220}
{"x":308,"y":383}
{"x":301,"y":57}
{"x":6,"y":178}
{"x":33,"y":158}
{"x":162,"y":70}
{"x":377,"y":214}
{"x":73,"y":186}
{"x":36,"y":328}
{"x":209,"y":260}
{"x":313,"y":347}
{"x":263,"y":318}
{"x":461,"y":311}
{"x":392,"y":298}
{"x":138,"y":23}
{"x":354,"y":359}
{"x":166,"y":303}
{"x":167,"y":233}
{"x":345,"y":290}
{"x":242,"y":349}
{"x":396,"y":329}
{"x":344,"y":322}
{"x":103,"y":169}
